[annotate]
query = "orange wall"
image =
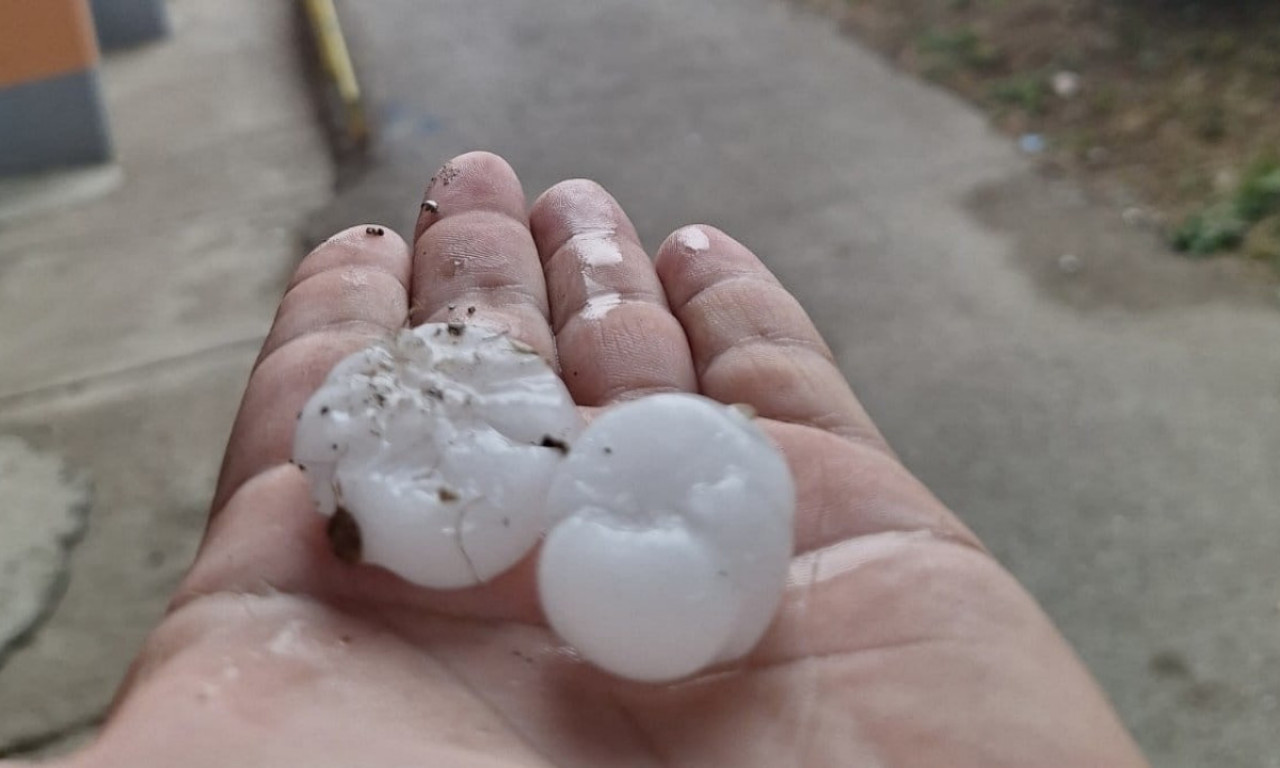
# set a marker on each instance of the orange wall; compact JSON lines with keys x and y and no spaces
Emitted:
{"x":44,"y":38}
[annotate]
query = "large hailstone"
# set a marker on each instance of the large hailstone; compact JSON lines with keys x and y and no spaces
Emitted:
{"x":674,"y":539}
{"x":670,"y":518}
{"x":439,"y":445}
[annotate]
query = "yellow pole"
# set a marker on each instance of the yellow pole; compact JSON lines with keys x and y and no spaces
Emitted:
{"x":335,"y":56}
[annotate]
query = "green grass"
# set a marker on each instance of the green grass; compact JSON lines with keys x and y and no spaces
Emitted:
{"x":1216,"y":228}
{"x":959,"y":48}
{"x":1028,"y":91}
{"x":1224,"y":225}
{"x":1258,"y":195}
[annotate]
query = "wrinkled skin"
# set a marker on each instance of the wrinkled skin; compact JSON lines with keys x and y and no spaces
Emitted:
{"x":901,"y":641}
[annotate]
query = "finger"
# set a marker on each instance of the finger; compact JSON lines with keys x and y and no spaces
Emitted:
{"x":474,"y":258}
{"x":751,"y":340}
{"x":615,"y":336}
{"x":847,"y":489}
{"x":347,"y":293}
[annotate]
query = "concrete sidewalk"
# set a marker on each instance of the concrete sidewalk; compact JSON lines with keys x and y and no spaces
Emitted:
{"x":128,"y":328}
{"x":1112,"y":430}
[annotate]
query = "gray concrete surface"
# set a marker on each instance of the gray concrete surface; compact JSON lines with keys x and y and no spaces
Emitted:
{"x":1113,"y":431}
{"x":42,"y":515}
{"x":127,"y":328}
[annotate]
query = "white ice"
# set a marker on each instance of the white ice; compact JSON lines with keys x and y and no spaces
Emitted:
{"x":693,"y":239}
{"x":598,"y":306}
{"x":674,"y":541}
{"x":441,"y":445}
{"x":670,"y":517}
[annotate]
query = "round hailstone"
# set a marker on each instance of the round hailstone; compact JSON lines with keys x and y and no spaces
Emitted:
{"x":674,"y":539}
{"x":439,"y":447}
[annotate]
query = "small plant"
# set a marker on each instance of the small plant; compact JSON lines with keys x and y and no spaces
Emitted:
{"x":957,"y":49}
{"x":1028,"y":91}
{"x":1225,"y":224}
{"x":1217,"y":228}
{"x":1258,"y":195}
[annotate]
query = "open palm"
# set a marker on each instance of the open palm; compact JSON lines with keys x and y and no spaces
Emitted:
{"x":900,"y":641}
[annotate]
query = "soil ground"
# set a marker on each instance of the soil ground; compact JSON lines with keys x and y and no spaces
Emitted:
{"x":1169,"y":103}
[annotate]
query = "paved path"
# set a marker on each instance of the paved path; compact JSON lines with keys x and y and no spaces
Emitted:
{"x":127,"y":327}
{"x":1113,"y":432}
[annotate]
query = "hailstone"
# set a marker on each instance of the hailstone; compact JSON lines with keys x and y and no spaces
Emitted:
{"x":437,"y":447}
{"x":446,"y":453}
{"x":674,"y":538}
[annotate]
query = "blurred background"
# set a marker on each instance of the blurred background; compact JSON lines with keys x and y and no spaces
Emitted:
{"x":1039,"y":236}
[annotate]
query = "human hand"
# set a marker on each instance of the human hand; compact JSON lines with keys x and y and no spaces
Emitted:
{"x":900,"y":642}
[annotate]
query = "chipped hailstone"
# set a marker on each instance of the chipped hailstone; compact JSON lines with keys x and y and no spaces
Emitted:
{"x":674,"y":539}
{"x":670,"y":518}
{"x":440,"y":444}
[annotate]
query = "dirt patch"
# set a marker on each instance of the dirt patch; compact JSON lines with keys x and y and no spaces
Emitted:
{"x":1170,"y":105}
{"x":1075,"y":252}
